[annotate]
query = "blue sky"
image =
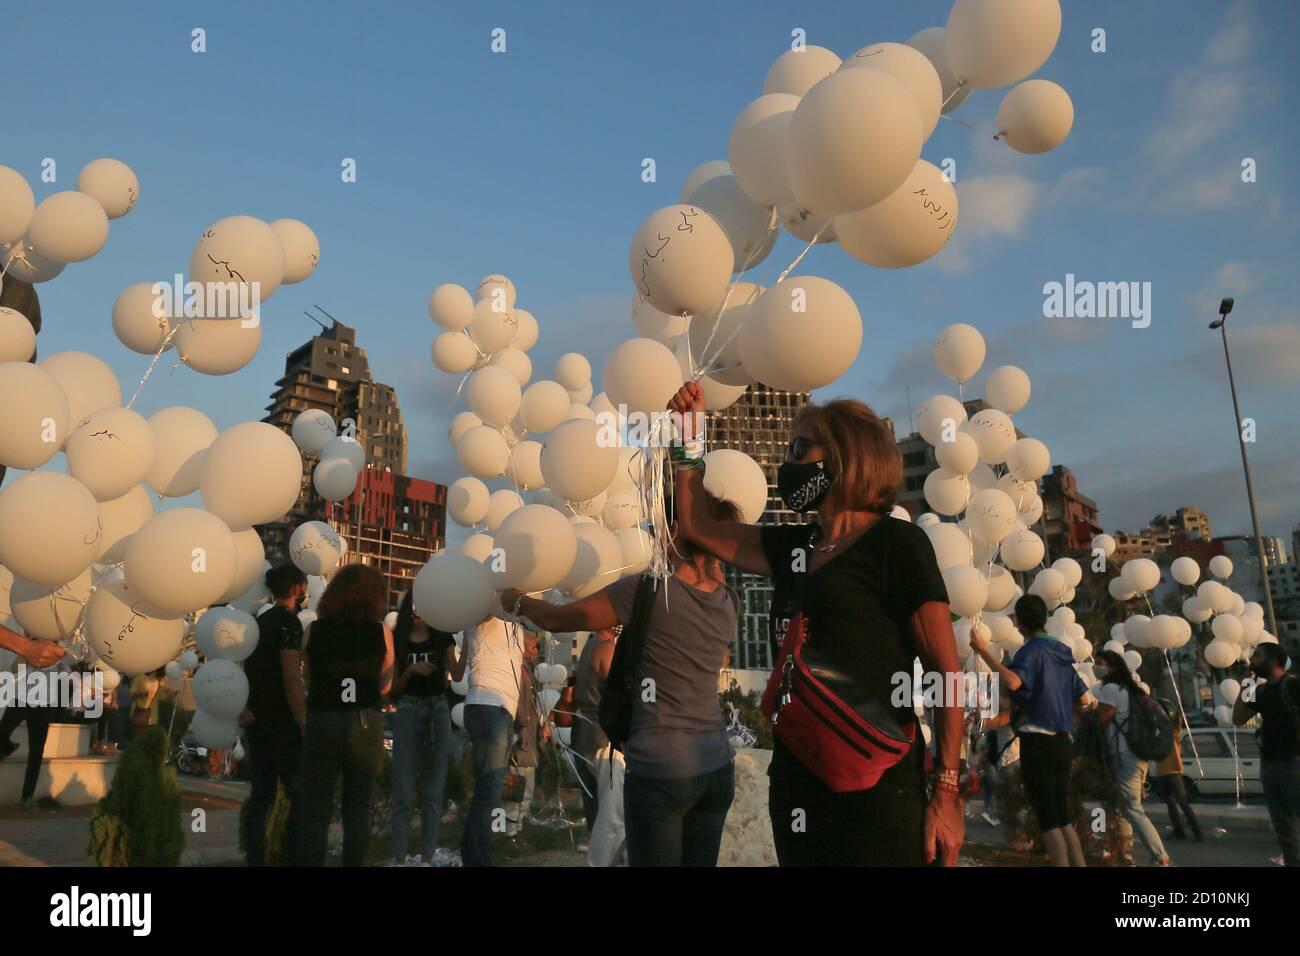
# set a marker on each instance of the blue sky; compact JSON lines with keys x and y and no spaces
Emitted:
{"x":528,"y":163}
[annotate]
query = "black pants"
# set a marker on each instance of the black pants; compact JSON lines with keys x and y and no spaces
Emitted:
{"x":1045,"y":766}
{"x":1173,"y":789}
{"x":38,"y":728}
{"x":814,"y":826}
{"x":677,"y":822}
{"x":350,"y":744}
{"x":275,"y":758}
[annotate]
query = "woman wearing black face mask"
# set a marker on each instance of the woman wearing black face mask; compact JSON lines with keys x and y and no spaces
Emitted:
{"x":868,"y":590}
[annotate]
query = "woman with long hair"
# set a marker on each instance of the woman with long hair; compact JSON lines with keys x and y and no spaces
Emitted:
{"x":425,"y":658}
{"x":1115,"y":703}
{"x":348,"y":659}
{"x":869,"y":589}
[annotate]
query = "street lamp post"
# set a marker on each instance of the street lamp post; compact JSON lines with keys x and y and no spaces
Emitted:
{"x":1221,"y":324}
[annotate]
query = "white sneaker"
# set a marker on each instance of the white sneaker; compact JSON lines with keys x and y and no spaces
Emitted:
{"x":443,"y":857}
{"x":990,"y":819}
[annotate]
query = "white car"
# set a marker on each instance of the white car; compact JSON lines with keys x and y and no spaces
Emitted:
{"x":1214,"y":746}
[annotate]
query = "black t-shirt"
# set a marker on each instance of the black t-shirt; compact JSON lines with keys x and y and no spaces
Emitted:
{"x":1279,"y":734}
{"x":278,"y":629}
{"x":343,"y":663}
{"x":434,"y":651}
{"x":859,"y":605}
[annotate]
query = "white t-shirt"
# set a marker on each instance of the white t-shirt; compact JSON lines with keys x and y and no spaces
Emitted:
{"x":496,"y":656}
{"x":1117,"y":697}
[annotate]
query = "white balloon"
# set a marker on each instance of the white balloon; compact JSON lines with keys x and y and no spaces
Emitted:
{"x":334,"y":478}
{"x":1049,"y":585}
{"x":1002,"y":587}
{"x":467,"y":501}
{"x":462,"y":423}
{"x":315,"y":548}
{"x":959,"y":351}
{"x":239,"y":252}
{"x":17,"y":337}
{"x":1072,"y":572}
{"x":110,"y":452}
{"x":967,"y":589}
{"x":453,"y":592}
{"x":311,"y":429}
{"x":931,"y":42}
{"x":181,"y":560}
{"x":251,"y":474}
{"x":49,"y":612}
{"x":927,"y":519}
{"x":1007,"y":389}
{"x":50,"y":527}
{"x":801,"y":334}
{"x":68,"y":226}
{"x":112,"y":184}
{"x":804,"y":225}
{"x":1221,"y":654}
{"x":516,"y":362}
{"x":1105,"y":542}
{"x":478,"y":547}
{"x":1227,"y":628}
{"x":621,"y":511}
{"x":227,"y":633}
{"x":597,"y":560}
{"x":1185,"y":570}
{"x":20,"y":260}
{"x":544,"y":405}
{"x":946,"y":493}
{"x":853,"y":140}
{"x":250,"y":563}
{"x":213,"y":732}
{"x":34,"y":415}
{"x":454,"y":352}
{"x":182,"y":437}
{"x":756,"y":148}
{"x":913,"y":69}
{"x":301,"y":249}
{"x":906,"y":227}
{"x":951,"y":545}
{"x":483,"y":452}
{"x":681,"y":260}
{"x":637,"y":547}
{"x":221,"y":689}
{"x":496,"y":288}
{"x":217,"y":346}
{"x":88,"y":383}
{"x":526,"y":465}
{"x":122,"y":517}
{"x":1221,"y":567}
{"x":994,"y":432}
{"x":492,"y":326}
{"x":1035,"y":117}
{"x":733,"y":476}
{"x":1022,"y":550}
{"x":991,"y":514}
{"x":652,"y":324}
{"x":451,"y":307}
{"x":1119,"y":590}
{"x":494,"y":395}
{"x":702,"y":174}
{"x":939,"y":417}
{"x":575,"y":463}
{"x":501,"y":503}
{"x":540,"y":546}
{"x":17,"y":204}
{"x":126,"y":634}
{"x":750,"y":226}
{"x":992,"y":43}
{"x":641,"y":375}
{"x":1140,"y":575}
{"x":1028,"y":459}
{"x":795,"y":72}
{"x":572,"y":371}
{"x":140,"y":319}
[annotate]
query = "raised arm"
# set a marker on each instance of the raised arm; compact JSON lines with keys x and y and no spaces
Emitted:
{"x":1010,"y":679}
{"x":736,"y":543}
{"x":592,"y":613}
{"x":944,"y":827}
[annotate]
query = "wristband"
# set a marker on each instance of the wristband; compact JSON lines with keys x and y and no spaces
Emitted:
{"x":946,"y":779}
{"x":689,"y":452}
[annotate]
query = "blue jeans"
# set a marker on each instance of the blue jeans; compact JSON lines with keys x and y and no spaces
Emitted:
{"x":677,"y":822}
{"x":489,"y":728}
{"x":1281,"y":780}
{"x":1130,"y":774}
{"x":421,"y":741}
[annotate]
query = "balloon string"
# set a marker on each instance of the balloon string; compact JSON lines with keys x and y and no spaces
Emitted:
{"x":961,"y":85}
{"x":798,"y":259}
{"x":162,"y":347}
{"x":1146,"y":598}
{"x":717,"y":322}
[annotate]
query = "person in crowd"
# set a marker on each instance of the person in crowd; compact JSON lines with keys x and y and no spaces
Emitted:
{"x":421,"y":730}
{"x":145,"y":690}
{"x":679,"y":780}
{"x":1275,"y":698}
{"x":36,"y":653}
{"x":1115,"y":703}
{"x":276,"y":715}
{"x":38,"y":718}
{"x":1168,"y":782}
{"x":588,"y":738}
{"x":496,"y":654}
{"x":348,"y":655}
{"x":1046,"y":689}
{"x":530,"y":732}
{"x":875,"y":601}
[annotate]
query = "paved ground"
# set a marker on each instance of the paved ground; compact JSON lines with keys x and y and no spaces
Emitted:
{"x":60,"y":836}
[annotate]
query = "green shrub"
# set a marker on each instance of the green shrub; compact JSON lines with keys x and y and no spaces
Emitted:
{"x":275,"y":824}
{"x":138,"y":822}
{"x":751,"y":713}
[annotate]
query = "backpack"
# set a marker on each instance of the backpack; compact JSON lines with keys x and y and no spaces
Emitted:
{"x":615,"y":710}
{"x":1148,"y":730}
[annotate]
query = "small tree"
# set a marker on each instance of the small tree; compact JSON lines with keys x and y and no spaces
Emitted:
{"x":138,"y":822}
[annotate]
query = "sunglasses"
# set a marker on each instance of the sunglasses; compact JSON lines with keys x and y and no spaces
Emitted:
{"x":799,"y":447}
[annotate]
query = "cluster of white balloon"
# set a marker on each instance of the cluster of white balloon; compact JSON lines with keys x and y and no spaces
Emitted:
{"x":84,"y":559}
{"x":1237,"y":625}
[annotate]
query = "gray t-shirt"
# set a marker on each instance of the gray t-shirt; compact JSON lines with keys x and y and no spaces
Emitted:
{"x":679,"y":733}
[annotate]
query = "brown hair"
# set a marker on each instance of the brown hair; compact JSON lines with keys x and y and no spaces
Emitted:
{"x":355,"y":595}
{"x":861,"y":453}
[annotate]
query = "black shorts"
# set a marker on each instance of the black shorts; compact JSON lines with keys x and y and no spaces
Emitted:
{"x":1045,"y":768}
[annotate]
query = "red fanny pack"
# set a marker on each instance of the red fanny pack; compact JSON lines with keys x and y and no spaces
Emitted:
{"x":827,"y":723}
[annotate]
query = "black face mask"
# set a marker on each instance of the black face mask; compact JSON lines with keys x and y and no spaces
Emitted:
{"x":803,"y":487}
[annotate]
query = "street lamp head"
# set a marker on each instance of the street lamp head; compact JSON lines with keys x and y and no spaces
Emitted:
{"x":1225,"y":306}
{"x":1217,"y":323}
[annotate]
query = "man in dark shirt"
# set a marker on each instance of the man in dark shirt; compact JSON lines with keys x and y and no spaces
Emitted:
{"x":1275,"y":697}
{"x":276,"y":714}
